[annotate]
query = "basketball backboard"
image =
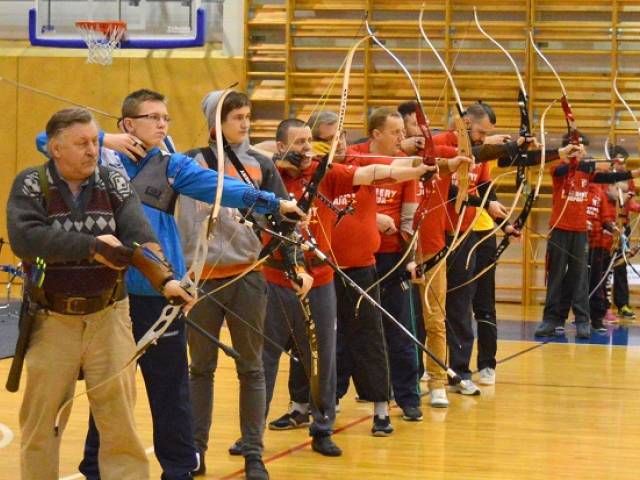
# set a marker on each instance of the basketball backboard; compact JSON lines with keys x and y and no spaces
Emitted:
{"x":150,"y":23}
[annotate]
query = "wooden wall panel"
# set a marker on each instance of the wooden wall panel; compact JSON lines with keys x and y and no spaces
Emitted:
{"x":65,"y":74}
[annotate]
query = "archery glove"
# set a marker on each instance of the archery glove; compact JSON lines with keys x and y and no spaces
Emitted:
{"x":119,"y":256}
{"x":294,"y":158}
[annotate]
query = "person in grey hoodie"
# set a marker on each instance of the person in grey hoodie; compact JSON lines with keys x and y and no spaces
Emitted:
{"x":243,"y":303}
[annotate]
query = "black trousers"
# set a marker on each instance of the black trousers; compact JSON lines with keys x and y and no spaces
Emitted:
{"x":599,"y":260}
{"x":361,"y":350}
{"x":403,"y":353}
{"x":620,"y":286}
{"x":567,"y":281}
{"x":166,"y":377}
{"x":459,"y":307}
{"x":484,"y":302}
{"x":620,"y":282}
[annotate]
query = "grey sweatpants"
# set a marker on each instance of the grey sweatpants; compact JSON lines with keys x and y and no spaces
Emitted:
{"x":284,"y":316}
{"x":248,"y":299}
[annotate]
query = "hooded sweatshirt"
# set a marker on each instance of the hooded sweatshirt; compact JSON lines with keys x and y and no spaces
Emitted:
{"x":234,"y":245}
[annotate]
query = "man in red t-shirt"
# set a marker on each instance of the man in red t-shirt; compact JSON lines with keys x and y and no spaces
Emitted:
{"x":431,"y":220}
{"x":620,"y":282}
{"x":362,"y":352}
{"x":285,"y":320}
{"x":567,"y":276}
{"x":395,"y":207}
{"x":460,"y":337}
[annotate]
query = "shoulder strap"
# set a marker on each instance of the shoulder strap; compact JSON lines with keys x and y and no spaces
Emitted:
{"x":44,"y":183}
{"x":209,"y":157}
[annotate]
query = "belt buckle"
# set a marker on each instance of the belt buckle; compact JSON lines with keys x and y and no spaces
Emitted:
{"x":75,"y":305}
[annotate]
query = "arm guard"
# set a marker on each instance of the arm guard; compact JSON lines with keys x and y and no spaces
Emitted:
{"x":157,"y":273}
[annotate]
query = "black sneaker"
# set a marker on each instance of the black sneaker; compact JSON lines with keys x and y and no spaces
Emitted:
{"x":254,"y":468}
{"x":412,"y":414}
{"x":289,"y":421}
{"x":202,"y":468}
{"x":545,"y":329}
{"x":598,"y":326}
{"x":583,"y":330}
{"x":381,"y":426}
{"x":236,"y":448}
{"x":324,"y":445}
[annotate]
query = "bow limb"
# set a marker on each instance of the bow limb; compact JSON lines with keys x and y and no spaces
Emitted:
{"x":464,"y":142}
{"x":477,"y":216}
{"x":504,"y":50}
{"x":543,"y":153}
{"x":428,"y":158}
{"x":458,"y":238}
{"x":498,"y":226}
{"x":624,"y":102}
{"x":334,"y":145}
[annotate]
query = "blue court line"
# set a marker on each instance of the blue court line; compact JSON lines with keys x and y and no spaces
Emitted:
{"x":621,"y":334}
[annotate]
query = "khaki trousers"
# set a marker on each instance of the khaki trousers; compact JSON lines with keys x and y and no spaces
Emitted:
{"x":434,"y":324}
{"x":99,"y":344}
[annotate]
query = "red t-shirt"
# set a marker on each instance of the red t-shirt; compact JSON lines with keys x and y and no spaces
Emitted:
{"x":337,"y":181}
{"x":390,"y":198}
{"x":433,"y":205}
{"x":433,"y":199}
{"x":600,"y":210}
{"x":573,"y":186}
{"x":630,"y":205}
{"x":356,"y":238}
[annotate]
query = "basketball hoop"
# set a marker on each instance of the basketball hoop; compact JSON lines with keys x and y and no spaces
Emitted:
{"x":102,"y":38}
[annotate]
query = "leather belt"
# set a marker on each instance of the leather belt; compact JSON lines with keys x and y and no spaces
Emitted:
{"x":77,"y":305}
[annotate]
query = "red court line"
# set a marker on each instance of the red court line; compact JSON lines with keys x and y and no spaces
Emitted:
{"x":292,"y":450}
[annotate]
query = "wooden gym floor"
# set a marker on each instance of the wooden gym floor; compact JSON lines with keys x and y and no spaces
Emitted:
{"x":559,"y":410}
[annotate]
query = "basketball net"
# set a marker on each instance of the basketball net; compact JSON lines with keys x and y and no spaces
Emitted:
{"x":102,"y":39}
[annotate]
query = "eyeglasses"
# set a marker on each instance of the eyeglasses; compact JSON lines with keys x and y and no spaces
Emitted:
{"x":154,"y":117}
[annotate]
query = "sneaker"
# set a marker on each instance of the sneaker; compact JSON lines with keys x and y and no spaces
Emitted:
{"x":381,"y":426}
{"x":412,"y":414}
{"x":324,"y":445}
{"x":626,"y":312}
{"x":466,"y":387}
{"x":598,"y":326}
{"x":545,"y":329}
{"x":201,"y":469}
{"x":610,"y":317}
{"x":583,"y":330}
{"x":236,"y":448}
{"x":439,"y":398}
{"x":487,"y":376}
{"x":254,"y":468}
{"x":290,"y":420}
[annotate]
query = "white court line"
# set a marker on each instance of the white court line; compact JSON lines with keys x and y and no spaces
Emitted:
{"x":7,"y":435}
{"x":77,"y":476}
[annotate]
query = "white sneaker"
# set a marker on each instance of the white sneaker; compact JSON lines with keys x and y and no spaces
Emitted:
{"x":487,"y":376}
{"x":439,"y":398}
{"x":466,"y":387}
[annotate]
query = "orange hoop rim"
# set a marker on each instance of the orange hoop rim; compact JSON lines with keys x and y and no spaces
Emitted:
{"x":103,"y":26}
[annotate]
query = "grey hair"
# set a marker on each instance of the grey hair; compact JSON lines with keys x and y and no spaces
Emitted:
{"x":323,"y":117}
{"x":66,"y":118}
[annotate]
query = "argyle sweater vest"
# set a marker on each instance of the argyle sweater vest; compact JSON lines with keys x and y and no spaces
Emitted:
{"x":94,"y":215}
